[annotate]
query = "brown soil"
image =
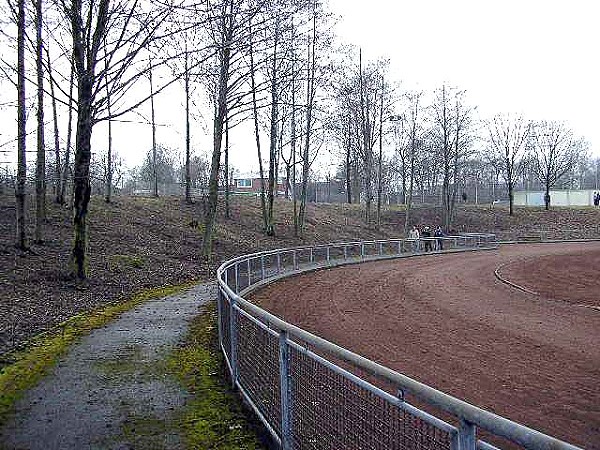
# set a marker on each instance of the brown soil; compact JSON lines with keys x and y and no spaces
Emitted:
{"x":448,"y":322}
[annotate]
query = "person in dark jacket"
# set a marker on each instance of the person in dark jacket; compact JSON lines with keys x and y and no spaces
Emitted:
{"x":439,"y":234}
{"x":426,"y":235}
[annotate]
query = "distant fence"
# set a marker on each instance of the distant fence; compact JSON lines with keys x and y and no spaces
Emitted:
{"x":312,"y":394}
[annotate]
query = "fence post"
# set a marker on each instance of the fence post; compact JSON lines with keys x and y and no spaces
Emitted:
{"x":286,"y":393}
{"x":345,"y":252}
{"x":328,"y":254}
{"x":249,"y":273}
{"x":237,"y":279}
{"x":295,"y":260}
{"x":233,"y":335}
{"x":362,"y":250}
{"x":262,"y":267}
{"x":278,"y":262}
{"x":466,"y":438}
{"x":220,"y":296}
{"x":311,"y":255}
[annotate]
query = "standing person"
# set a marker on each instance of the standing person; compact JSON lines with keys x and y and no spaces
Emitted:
{"x":426,"y":235}
{"x":596,"y":199}
{"x":439,"y":234}
{"x":413,"y":234}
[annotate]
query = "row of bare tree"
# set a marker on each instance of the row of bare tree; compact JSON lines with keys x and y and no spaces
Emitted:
{"x":438,"y":142}
{"x":270,"y":63}
{"x":256,"y":60}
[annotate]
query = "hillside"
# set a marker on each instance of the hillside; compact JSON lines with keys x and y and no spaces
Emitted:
{"x":138,"y":243}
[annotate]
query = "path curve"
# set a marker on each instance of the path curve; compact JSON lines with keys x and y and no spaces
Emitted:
{"x":111,"y":391}
{"x":448,"y":322}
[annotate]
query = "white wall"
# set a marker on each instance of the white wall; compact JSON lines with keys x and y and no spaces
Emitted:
{"x":557,"y":198}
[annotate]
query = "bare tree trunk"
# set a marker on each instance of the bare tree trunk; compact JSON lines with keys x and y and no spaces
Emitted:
{"x":379,"y":168}
{"x":40,"y":169}
{"x":21,"y":238}
{"x":109,"y":167}
{"x":57,"y":163}
{"x":81,"y":179}
{"x":349,"y":163}
{"x":65,"y":169}
{"x":226,"y":168}
{"x":293,"y":145}
{"x":310,"y":93}
{"x":152,"y":112}
{"x":366,"y":138}
{"x":221,"y":113}
{"x":270,"y":229}
{"x":293,"y":139}
{"x":188,"y":167}
{"x":85,"y":65}
{"x":261,"y":171}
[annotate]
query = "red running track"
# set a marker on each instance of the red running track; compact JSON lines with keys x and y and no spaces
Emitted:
{"x":447,"y":321}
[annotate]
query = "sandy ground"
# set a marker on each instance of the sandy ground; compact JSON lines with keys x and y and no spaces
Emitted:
{"x":447,"y":321}
{"x":112,"y":390}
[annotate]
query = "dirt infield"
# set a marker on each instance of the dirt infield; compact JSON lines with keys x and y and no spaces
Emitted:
{"x":447,"y":321}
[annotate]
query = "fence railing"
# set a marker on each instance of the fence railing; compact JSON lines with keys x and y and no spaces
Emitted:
{"x":312,"y":394}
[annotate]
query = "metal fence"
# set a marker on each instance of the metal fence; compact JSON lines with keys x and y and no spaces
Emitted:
{"x":313,"y":394}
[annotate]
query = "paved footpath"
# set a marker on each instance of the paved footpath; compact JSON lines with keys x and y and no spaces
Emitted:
{"x":111,"y":391}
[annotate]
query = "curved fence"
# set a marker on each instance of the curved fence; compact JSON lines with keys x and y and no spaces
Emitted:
{"x":312,"y":394}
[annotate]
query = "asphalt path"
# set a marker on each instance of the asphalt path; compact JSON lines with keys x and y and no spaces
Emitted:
{"x":112,"y":389}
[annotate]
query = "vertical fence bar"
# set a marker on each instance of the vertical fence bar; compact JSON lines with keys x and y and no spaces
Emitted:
{"x":311,"y":255}
{"x":220,"y":297}
{"x":380,"y":248}
{"x":345,"y":252}
{"x":233,"y":342}
{"x":249,"y":273}
{"x":237,"y":280}
{"x":328,"y":253}
{"x":278,"y":262}
{"x":295,"y":259}
{"x":362,"y":250}
{"x":286,"y":392}
{"x":466,"y":436}
{"x":262,"y":267}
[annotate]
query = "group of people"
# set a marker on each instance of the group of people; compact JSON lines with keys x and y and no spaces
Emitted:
{"x":425,"y":236}
{"x":597,"y":199}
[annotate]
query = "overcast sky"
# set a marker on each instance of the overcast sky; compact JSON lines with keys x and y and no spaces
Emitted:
{"x":535,"y":57}
{"x":538,"y":58}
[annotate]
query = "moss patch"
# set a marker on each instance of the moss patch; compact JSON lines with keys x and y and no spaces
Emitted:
{"x":214,"y":418}
{"x":26,"y":367}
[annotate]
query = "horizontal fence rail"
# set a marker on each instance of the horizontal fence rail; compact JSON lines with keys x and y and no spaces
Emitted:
{"x":312,"y":394}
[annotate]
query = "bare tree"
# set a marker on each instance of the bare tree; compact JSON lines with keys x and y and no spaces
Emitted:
{"x":123,"y":30}
{"x":40,"y":169}
{"x":508,"y":138}
{"x":57,"y":158}
{"x":452,"y":121}
{"x":555,"y":153}
{"x":415,"y":129}
{"x":109,"y":154}
{"x":66,"y":168}
{"x":20,"y":194}
{"x":227,"y":21}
